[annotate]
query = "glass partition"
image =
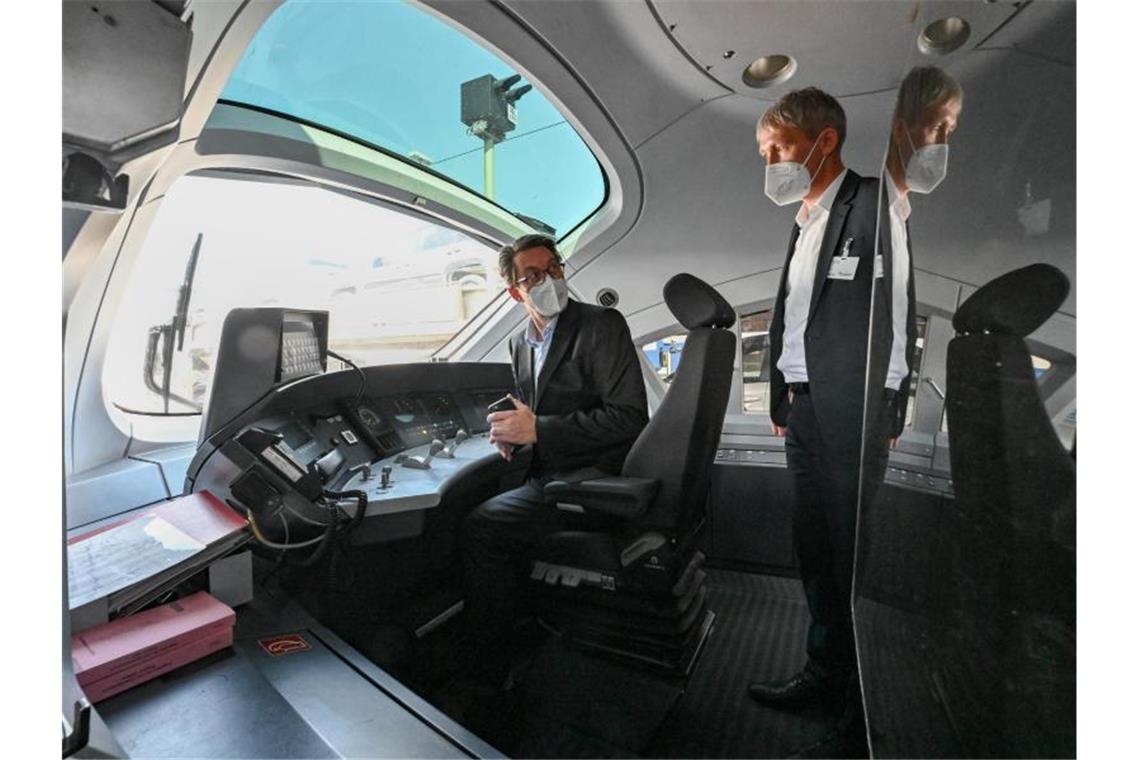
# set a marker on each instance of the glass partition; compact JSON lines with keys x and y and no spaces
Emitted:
{"x":964,"y":595}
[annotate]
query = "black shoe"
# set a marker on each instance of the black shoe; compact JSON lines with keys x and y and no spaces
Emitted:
{"x":804,"y":689}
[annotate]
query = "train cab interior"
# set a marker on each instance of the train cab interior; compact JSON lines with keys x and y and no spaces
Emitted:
{"x":281,"y":286}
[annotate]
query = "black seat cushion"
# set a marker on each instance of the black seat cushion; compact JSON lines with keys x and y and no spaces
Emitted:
{"x":1017,"y":303}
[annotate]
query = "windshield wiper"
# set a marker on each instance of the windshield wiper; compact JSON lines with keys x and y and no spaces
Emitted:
{"x":168,"y":332}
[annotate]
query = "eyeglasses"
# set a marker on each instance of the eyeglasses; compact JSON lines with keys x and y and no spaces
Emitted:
{"x":535,"y":277}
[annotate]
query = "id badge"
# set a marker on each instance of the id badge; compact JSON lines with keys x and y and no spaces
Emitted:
{"x":843,"y":267}
{"x":878,"y":266}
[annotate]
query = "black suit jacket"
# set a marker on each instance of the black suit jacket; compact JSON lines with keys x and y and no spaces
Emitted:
{"x":590,"y":401}
{"x":835,"y":336}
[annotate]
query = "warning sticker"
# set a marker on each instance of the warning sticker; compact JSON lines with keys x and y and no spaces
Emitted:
{"x":287,"y":644}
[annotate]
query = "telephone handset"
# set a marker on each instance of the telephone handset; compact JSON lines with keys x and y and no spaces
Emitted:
{"x":271,"y":450}
{"x":314,"y":514}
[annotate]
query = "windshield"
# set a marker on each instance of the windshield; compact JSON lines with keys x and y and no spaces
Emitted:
{"x":396,"y":286}
{"x":394,"y":77}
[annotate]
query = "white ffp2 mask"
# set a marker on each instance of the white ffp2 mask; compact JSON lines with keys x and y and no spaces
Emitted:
{"x":926,"y":167}
{"x":789,"y":181}
{"x":549,"y":297}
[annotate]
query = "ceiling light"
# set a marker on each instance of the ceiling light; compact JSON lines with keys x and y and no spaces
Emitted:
{"x":943,"y":36}
{"x":769,"y":70}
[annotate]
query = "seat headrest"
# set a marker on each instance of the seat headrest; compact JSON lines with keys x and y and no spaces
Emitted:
{"x":1017,"y":303}
{"x":695,"y":303}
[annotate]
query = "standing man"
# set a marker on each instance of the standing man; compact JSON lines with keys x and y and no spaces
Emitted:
{"x":818,"y":356}
{"x":581,"y":403}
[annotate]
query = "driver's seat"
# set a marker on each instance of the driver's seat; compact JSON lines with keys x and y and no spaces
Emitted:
{"x":631,"y":585}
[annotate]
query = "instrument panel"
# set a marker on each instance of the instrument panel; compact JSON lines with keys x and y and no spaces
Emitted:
{"x":375,"y":438}
{"x":384,"y":425}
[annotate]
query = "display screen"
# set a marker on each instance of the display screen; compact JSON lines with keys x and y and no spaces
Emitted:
{"x":301,"y":353}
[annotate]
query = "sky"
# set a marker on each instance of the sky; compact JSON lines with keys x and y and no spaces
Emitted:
{"x":391,"y":74}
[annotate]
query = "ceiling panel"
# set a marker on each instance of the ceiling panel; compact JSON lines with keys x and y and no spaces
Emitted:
{"x":842,"y":47}
{"x":630,"y":63}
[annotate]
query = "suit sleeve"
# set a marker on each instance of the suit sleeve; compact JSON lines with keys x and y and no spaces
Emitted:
{"x":517,"y":391}
{"x":898,"y":419}
{"x":778,"y":405}
{"x":623,"y":411}
{"x":898,"y":414}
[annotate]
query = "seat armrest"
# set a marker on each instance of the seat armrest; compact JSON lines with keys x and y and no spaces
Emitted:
{"x":611,"y":495}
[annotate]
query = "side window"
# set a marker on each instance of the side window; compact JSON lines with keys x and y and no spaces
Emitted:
{"x":665,"y":356}
{"x":754,"y":360}
{"x":396,"y":287}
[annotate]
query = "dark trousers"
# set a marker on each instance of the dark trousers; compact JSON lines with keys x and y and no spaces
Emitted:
{"x":501,"y":535}
{"x":824,"y":463}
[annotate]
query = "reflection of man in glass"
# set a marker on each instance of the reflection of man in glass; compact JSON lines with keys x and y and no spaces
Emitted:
{"x":926,"y":114}
{"x":818,"y":357}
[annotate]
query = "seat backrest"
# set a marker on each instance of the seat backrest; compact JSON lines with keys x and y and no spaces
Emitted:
{"x":679,"y":444}
{"x":1014,"y":483}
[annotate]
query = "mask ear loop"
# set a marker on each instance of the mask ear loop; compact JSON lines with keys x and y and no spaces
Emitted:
{"x":818,"y":168}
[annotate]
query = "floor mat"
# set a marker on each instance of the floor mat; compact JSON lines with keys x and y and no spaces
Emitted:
{"x":577,"y":705}
{"x":761,"y":625}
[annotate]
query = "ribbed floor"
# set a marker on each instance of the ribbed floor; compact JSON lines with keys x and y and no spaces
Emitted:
{"x":760,"y":629}
{"x":577,"y":705}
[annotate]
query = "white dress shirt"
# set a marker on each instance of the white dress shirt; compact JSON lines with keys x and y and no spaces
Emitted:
{"x":539,"y":345}
{"x":900,"y":269}
{"x":801,"y":279}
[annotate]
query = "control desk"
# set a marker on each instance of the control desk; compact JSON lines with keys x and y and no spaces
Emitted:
{"x":404,"y":436}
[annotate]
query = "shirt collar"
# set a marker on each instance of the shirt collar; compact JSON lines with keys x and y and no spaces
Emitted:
{"x":900,"y":202}
{"x":531,"y":336}
{"x":823,"y":205}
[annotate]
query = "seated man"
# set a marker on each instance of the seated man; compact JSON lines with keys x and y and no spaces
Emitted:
{"x":580,"y":403}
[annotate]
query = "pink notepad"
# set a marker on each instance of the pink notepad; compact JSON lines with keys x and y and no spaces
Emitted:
{"x":112,"y":657}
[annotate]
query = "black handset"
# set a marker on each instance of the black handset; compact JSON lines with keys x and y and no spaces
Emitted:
{"x":505,"y":404}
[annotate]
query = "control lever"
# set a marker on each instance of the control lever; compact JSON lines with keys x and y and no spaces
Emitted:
{"x":423,"y":462}
{"x":365,"y":468}
{"x":385,"y":477}
{"x":449,"y":451}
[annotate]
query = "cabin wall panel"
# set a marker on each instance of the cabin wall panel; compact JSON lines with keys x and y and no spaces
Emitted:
{"x":113,"y":489}
{"x":750,"y":516}
{"x":625,"y":55}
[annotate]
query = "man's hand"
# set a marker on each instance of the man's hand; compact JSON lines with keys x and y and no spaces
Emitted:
{"x":505,"y":450}
{"x":779,"y":429}
{"x":513,"y":427}
{"x":894,"y":441}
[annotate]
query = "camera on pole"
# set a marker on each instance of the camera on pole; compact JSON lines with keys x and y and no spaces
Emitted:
{"x":487,"y":105}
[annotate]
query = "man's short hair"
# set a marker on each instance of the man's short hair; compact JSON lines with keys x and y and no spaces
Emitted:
{"x":810,"y":109}
{"x":508,"y":252}
{"x":924,"y":87}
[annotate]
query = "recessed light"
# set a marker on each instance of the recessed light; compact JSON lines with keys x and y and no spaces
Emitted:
{"x":769,"y":70}
{"x":944,"y":36}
